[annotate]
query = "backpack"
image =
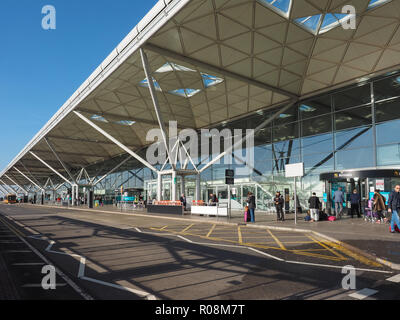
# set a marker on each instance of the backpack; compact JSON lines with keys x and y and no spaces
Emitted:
{"x":307,"y":218}
{"x":332,"y":218}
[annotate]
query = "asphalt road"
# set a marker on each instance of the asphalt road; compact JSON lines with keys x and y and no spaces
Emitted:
{"x":110,"y":256}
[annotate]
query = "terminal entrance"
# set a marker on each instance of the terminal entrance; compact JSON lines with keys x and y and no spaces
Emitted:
{"x":364,"y":181}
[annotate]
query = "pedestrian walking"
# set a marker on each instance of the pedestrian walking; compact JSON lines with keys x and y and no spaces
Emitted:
{"x":355,"y":199}
{"x":183,"y":201}
{"x":279,"y":202}
{"x":338,"y":198}
{"x":251,"y":200}
{"x":315,"y":206}
{"x":379,"y":205}
{"x":394,"y":208}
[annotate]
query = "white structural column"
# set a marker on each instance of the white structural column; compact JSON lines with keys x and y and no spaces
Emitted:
{"x":4,"y":190}
{"x":182,"y":184}
{"x":59,"y":159}
{"x":119,"y":144}
{"x":153,"y":93}
{"x":9,"y":188}
{"x":23,"y":189}
{"x":173,"y":186}
{"x":111,"y":171}
{"x":198,"y":188}
{"x":28,"y":178}
{"x":51,"y":168}
{"x":159,"y":186}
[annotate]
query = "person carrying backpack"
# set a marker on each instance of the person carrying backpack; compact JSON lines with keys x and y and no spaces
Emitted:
{"x":315,"y":205}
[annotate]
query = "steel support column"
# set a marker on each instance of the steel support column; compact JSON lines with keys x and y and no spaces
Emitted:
{"x":35,"y":184}
{"x":23,"y":189}
{"x":159,"y":186}
{"x":5,"y":184}
{"x":119,"y":144}
{"x":51,"y":168}
{"x":153,"y":93}
{"x":173,"y":186}
{"x":59,"y":159}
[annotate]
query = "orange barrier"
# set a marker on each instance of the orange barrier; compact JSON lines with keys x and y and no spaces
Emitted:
{"x":199,"y":203}
{"x":167,"y":203}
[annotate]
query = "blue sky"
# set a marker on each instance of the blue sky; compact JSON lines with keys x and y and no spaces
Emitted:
{"x":40,"y":70}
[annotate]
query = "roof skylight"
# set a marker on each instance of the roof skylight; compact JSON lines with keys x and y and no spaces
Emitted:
{"x":96,"y":117}
{"x":170,"y":66}
{"x":126,"y":123}
{"x":305,"y":108}
{"x":329,"y":21}
{"x":186,"y":93}
{"x":376,"y":3}
{"x":210,"y":80}
{"x":281,"y":6}
{"x":145,"y":83}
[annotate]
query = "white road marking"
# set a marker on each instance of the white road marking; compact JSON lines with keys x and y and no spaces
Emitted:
{"x":34,"y":285}
{"x":81,"y":272}
{"x":259,"y":252}
{"x":395,"y":279}
{"x":363,"y":294}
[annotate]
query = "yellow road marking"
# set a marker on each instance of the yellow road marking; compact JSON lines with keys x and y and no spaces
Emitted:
{"x":211,"y":231}
{"x":187,"y":228}
{"x":326,"y":247}
{"x":354,"y":255}
{"x":276,"y":240}
{"x":240,"y":236}
{"x":316,"y":255}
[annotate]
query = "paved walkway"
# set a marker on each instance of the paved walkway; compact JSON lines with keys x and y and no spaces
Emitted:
{"x":371,"y":238}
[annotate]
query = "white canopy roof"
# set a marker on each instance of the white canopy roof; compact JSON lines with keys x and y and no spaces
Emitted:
{"x":214,"y":61}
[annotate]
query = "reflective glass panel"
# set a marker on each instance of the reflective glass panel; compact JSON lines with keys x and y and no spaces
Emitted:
{"x":321,"y":143}
{"x":389,"y":155}
{"x":353,"y":118}
{"x":353,"y":97}
{"x":388,"y":110}
{"x":349,"y":159}
{"x":315,"y":107}
{"x":386,"y":132}
{"x":317,"y":125}
{"x":286,"y":132}
{"x":387,"y":88}
{"x":355,"y":138}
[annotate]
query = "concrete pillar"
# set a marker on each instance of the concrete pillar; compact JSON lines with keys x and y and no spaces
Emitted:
{"x":173,"y":186}
{"x":183,"y":185}
{"x":198,"y":188}
{"x":159,"y":187}
{"x":90,"y":197}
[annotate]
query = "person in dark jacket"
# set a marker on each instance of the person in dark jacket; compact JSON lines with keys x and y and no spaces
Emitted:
{"x":183,"y":201}
{"x":355,"y":203}
{"x":251,"y":200}
{"x":315,"y":206}
{"x":279,"y":202}
{"x":379,"y":205}
{"x":394,"y":207}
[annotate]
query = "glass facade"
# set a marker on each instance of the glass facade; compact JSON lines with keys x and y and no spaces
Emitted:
{"x":353,"y":128}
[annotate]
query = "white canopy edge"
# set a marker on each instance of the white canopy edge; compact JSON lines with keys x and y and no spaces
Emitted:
{"x":161,"y":13}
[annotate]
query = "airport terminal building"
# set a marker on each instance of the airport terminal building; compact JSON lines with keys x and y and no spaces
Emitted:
{"x":313,"y":89}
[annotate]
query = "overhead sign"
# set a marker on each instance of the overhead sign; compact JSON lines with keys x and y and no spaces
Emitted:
{"x":294,"y":170}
